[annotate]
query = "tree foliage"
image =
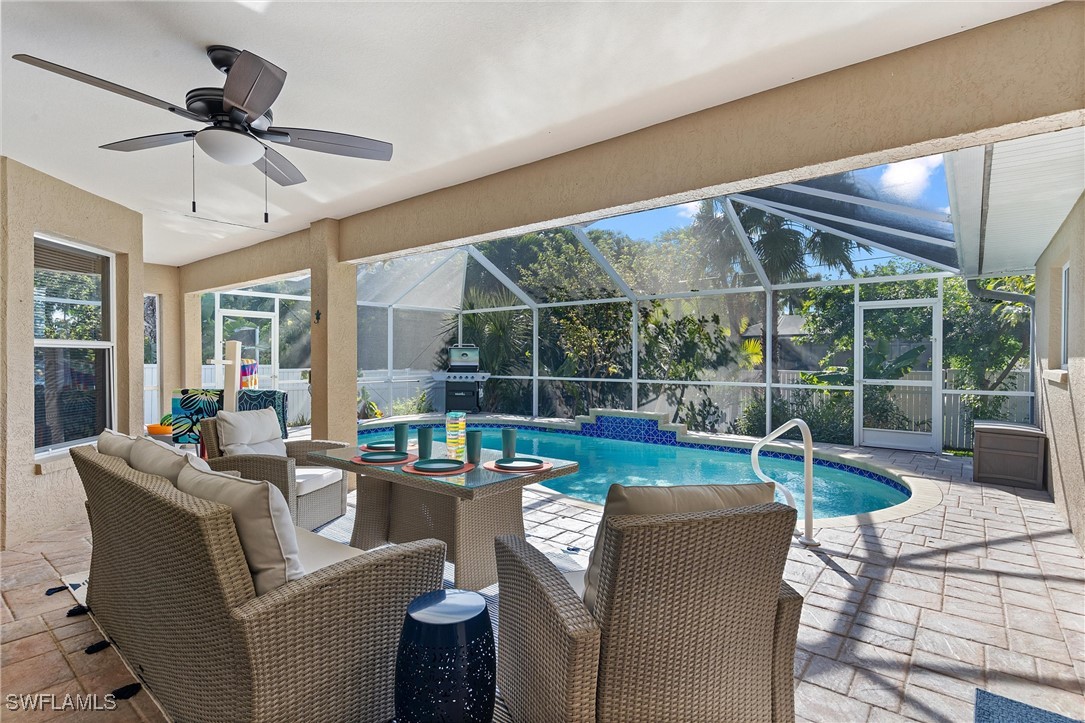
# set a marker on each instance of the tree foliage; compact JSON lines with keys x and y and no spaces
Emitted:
{"x":984,"y":344}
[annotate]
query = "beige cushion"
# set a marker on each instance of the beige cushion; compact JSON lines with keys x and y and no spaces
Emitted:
{"x":317,"y":552}
{"x":575,"y":578}
{"x":262,"y":518}
{"x":623,"y":500}
{"x":116,"y":445}
{"x":311,"y":479}
{"x":154,"y":457}
{"x":254,"y":432}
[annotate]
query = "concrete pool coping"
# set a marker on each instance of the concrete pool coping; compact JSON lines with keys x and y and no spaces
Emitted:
{"x":924,"y":493}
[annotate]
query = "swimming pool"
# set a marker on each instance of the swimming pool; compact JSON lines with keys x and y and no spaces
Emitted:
{"x":838,"y":489}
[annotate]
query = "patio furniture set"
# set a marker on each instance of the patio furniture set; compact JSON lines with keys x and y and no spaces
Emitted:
{"x":227,"y":606}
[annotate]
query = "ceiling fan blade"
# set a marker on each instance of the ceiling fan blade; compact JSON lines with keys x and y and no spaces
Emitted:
{"x":252,"y":85}
{"x":341,"y":144}
{"x":144,"y":142}
{"x":111,"y":87}
{"x":279,"y":169}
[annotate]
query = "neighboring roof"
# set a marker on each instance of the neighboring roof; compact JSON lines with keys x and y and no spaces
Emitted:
{"x":786,"y":325}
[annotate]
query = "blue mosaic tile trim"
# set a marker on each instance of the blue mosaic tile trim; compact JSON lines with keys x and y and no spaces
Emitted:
{"x":647,"y":431}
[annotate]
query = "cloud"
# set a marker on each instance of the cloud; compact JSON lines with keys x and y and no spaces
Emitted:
{"x":688,"y":210}
{"x":908,"y":180}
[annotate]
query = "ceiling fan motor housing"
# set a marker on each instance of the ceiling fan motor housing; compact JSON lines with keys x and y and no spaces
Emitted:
{"x":222,"y":57}
{"x":208,"y":101}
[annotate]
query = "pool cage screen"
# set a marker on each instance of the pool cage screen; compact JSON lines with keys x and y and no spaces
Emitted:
{"x":836,"y":300}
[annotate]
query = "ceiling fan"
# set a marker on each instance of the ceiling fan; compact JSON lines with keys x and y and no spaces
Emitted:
{"x":238,"y":116}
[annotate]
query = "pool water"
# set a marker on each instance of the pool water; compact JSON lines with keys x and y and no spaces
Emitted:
{"x":607,"y":461}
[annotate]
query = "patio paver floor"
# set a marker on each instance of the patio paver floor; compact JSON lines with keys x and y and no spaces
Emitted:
{"x":902,"y":620}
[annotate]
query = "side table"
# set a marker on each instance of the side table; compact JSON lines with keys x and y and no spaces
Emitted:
{"x":446,"y":667}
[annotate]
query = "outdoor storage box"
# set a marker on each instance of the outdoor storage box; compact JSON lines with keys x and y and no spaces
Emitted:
{"x":1008,"y":454}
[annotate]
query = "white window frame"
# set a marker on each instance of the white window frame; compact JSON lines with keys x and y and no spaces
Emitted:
{"x":1064,"y":329}
{"x":108,"y":345}
{"x":157,"y":388}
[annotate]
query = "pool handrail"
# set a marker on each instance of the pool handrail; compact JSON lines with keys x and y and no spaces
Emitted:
{"x":807,"y":538}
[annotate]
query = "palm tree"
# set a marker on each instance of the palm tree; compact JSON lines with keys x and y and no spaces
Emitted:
{"x":504,"y":339}
{"x":782,"y":246}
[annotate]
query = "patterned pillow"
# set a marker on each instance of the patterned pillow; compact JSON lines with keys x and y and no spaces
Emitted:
{"x":189,"y":407}
{"x":252,"y":399}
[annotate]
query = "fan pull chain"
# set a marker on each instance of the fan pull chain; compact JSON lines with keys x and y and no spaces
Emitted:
{"x":193,"y":174}
{"x":265,"y":184}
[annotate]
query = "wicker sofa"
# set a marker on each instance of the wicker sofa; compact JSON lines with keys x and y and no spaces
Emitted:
{"x":170,"y":587}
{"x":311,"y":505}
{"x":692,"y":622}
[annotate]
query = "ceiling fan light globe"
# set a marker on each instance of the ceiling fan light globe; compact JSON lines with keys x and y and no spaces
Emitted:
{"x":231,"y":147}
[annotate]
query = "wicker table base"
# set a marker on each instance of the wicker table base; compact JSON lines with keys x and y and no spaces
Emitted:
{"x":465,"y":511}
{"x":389,"y":512}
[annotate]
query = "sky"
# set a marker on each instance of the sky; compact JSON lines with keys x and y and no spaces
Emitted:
{"x":918,"y":182}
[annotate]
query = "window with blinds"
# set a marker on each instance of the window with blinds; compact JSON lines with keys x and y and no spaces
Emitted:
{"x":73,"y":344}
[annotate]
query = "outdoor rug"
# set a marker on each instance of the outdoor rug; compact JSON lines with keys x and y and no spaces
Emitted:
{"x":991,"y":708}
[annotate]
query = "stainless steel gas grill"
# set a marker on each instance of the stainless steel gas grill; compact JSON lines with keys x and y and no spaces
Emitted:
{"x":463,"y":381}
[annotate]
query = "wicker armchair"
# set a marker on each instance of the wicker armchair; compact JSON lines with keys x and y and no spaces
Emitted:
{"x":308,"y":509}
{"x":170,"y":586}
{"x":693,"y":622}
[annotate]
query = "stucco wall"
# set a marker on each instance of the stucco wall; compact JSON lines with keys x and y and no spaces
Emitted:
{"x":166,"y":282}
{"x":44,"y":494}
{"x":1062,"y":404}
{"x":1012,"y":78}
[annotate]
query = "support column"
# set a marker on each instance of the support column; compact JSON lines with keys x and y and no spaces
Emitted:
{"x":191,"y":343}
{"x":334,"y":335}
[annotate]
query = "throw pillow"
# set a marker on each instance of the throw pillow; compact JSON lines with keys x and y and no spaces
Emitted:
{"x":116,"y":445}
{"x":623,"y":500}
{"x":154,"y":457}
{"x":255,"y":432}
{"x":262,"y":518}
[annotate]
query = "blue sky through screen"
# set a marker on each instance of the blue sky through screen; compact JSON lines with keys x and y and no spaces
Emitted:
{"x":917,"y":183}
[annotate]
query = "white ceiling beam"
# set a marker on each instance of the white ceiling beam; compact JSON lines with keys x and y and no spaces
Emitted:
{"x":964,"y":178}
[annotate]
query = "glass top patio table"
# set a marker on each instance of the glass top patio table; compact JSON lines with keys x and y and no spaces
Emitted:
{"x":479,"y":482}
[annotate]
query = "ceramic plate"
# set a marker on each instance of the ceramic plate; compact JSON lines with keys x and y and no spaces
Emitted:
{"x":437,"y":465}
{"x":518,"y":464}
{"x":383,"y":456}
{"x":382,"y":445}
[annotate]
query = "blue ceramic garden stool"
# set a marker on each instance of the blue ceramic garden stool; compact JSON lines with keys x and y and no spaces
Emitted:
{"x":446,"y":668}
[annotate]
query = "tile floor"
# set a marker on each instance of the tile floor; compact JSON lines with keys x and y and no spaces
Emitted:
{"x":902,"y":620}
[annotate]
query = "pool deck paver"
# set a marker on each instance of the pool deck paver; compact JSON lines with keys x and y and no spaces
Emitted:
{"x":902,"y":619}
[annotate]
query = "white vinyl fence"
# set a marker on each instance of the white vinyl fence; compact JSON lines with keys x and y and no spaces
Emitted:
{"x":152,"y":410}
{"x":298,"y":400}
{"x":957,"y":404}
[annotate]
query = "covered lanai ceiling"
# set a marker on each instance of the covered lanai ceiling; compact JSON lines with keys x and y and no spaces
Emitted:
{"x":461,"y":89}
{"x":1011,"y":197}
